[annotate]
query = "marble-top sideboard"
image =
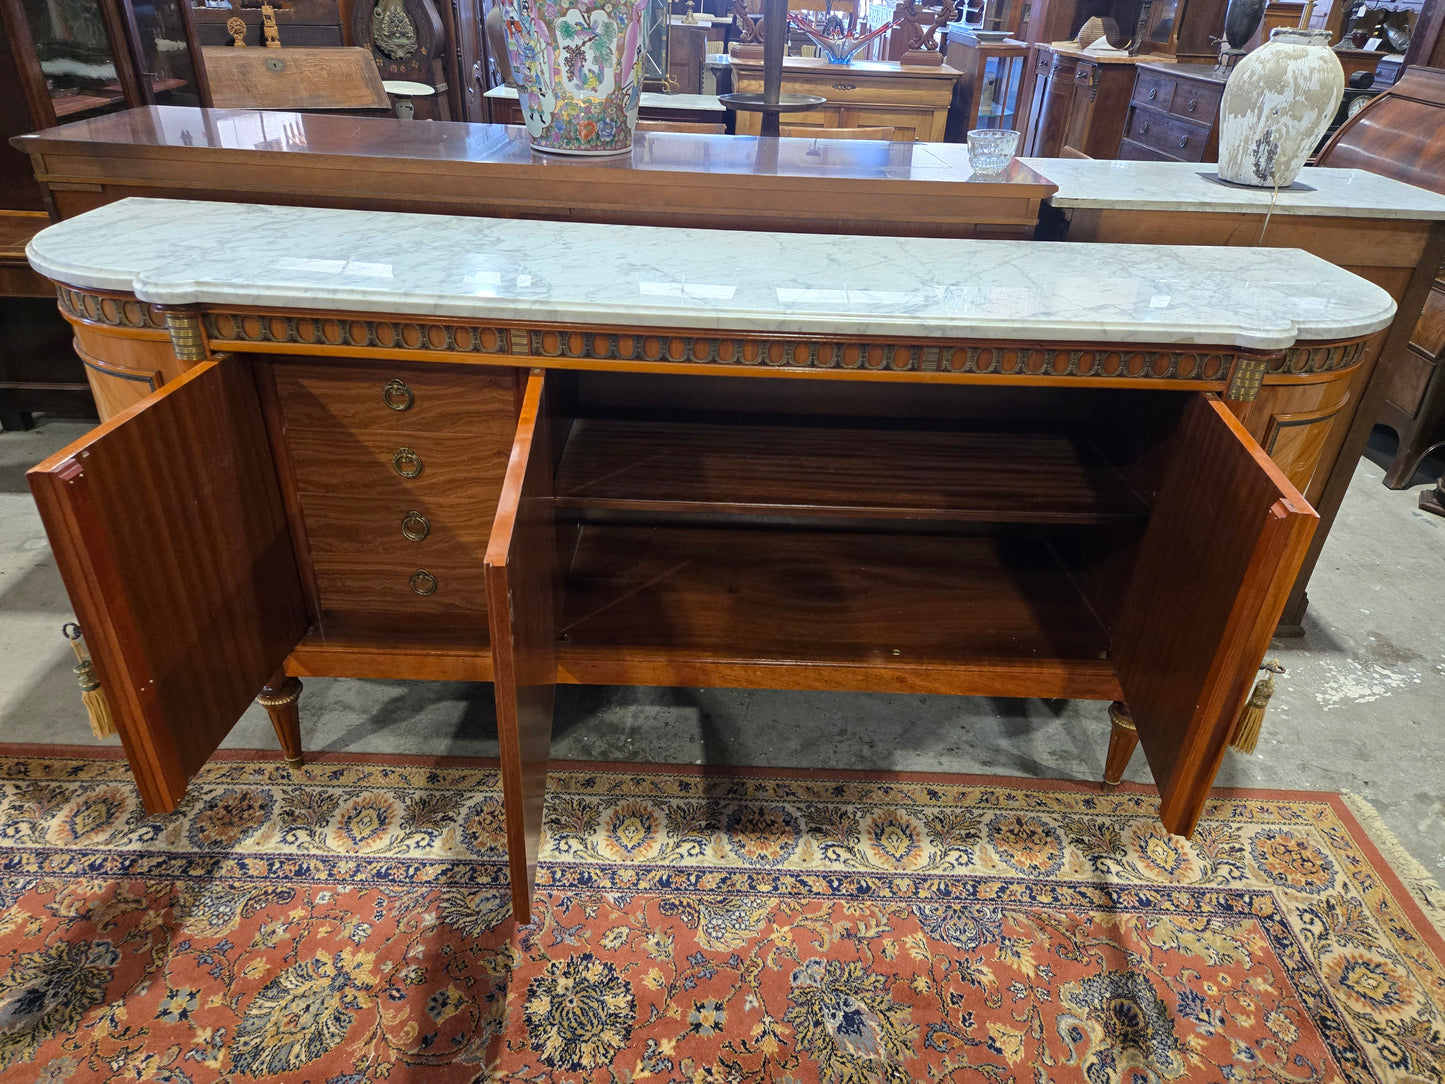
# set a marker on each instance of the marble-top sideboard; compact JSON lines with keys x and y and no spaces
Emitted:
{"x":174,"y":253}
{"x":1091,"y":184}
{"x":904,"y":465}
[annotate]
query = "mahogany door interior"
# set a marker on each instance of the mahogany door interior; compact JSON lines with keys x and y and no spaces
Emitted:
{"x":521,"y":574}
{"x":169,"y":531}
{"x":1222,"y":549}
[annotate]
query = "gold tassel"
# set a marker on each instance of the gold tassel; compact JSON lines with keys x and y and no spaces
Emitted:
{"x":102,"y":723}
{"x":1246,"y":730}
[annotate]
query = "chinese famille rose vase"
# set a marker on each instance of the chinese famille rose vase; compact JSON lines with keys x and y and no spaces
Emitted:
{"x":578,"y":65}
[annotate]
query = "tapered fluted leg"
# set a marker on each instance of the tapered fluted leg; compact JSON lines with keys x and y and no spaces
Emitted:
{"x":280,"y":697}
{"x":1122,"y":739}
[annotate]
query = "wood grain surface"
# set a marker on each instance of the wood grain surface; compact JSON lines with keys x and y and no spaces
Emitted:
{"x":170,"y":534}
{"x":1221,"y":552}
{"x":522,"y":599}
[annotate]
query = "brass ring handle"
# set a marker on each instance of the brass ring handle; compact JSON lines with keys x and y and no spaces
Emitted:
{"x":397,"y":395}
{"x":1153,"y":93}
{"x":415,"y":526}
{"x":406,"y":463}
{"x":1192,"y":103}
{"x":1184,"y":141}
{"x":1144,"y":128}
{"x":423,"y":582}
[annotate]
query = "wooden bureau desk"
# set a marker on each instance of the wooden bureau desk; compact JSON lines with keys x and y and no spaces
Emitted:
{"x":419,"y":447}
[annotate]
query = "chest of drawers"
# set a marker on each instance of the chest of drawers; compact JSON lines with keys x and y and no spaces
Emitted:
{"x":1173,"y":114}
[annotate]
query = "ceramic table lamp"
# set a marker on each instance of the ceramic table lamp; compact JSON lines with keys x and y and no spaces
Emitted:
{"x":1277,"y":104}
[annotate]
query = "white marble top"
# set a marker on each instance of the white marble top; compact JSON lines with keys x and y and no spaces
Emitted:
{"x":1098,"y":184}
{"x":650,"y":99}
{"x":174,"y":252}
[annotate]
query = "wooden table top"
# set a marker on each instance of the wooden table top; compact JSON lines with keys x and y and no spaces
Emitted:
{"x":302,"y":135}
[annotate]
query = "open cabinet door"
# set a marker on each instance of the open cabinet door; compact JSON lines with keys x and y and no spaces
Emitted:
{"x":1217,"y":562}
{"x":168,"y":528}
{"x":522,"y":594}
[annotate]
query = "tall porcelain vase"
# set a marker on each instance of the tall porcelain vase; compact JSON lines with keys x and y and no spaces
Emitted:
{"x":1277,"y":104}
{"x":578,"y":65}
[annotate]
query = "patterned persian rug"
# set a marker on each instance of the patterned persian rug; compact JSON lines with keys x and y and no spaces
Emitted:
{"x":348,"y":923}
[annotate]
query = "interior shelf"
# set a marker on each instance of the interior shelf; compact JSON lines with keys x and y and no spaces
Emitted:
{"x":998,"y":476}
{"x":982,"y":614}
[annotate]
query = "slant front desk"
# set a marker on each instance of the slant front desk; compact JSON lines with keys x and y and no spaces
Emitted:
{"x":414,"y":447}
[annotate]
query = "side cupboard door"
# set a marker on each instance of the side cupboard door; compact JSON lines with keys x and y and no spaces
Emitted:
{"x":168,"y":527}
{"x":522,"y":598}
{"x":1216,"y":564}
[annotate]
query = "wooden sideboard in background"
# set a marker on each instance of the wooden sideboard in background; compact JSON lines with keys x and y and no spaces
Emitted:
{"x":1401,"y":134}
{"x":912,"y":100}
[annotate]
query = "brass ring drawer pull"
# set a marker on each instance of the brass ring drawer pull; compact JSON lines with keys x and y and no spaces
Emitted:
{"x":423,"y":582}
{"x":1153,"y":93}
{"x":397,"y":395}
{"x":414,"y":526}
{"x":406,"y":463}
{"x":1144,"y":128}
{"x":1192,"y":103}
{"x":1184,"y":141}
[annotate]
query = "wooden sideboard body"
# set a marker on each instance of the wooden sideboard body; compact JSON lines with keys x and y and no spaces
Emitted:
{"x":1400,"y":251}
{"x":393,"y":495}
{"x":1399,"y":134}
{"x":913,"y":100}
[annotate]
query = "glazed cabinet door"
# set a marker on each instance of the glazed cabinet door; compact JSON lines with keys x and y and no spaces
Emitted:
{"x":168,"y":527}
{"x":1224,"y":543}
{"x":522,"y":596}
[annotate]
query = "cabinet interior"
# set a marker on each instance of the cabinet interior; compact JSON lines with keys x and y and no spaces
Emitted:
{"x":938,"y":530}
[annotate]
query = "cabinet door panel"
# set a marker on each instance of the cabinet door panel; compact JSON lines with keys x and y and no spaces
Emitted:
{"x":1222,"y":549}
{"x":522,"y":595}
{"x":168,"y":528}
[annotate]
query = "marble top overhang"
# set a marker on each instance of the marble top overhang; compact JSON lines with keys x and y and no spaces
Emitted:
{"x":174,"y":252}
{"x":1098,"y":184}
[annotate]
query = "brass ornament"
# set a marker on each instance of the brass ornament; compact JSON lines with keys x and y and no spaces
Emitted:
{"x":392,"y":30}
{"x":415,"y":526}
{"x":406,"y":463}
{"x":237,"y":29}
{"x":423,"y":582}
{"x":397,"y":395}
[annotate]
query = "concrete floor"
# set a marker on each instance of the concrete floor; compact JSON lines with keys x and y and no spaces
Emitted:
{"x":1362,"y":707}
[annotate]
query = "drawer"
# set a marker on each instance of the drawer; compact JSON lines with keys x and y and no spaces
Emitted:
{"x":1197,"y":101}
{"x":1429,"y":334}
{"x":1154,"y":89}
{"x":1409,"y":375}
{"x":1175,"y":137}
{"x":396,"y":398}
{"x":399,"y":467}
{"x":1129,"y":151}
{"x":363,"y":560}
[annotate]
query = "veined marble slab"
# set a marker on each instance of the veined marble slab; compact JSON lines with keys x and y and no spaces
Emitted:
{"x":175,"y":252}
{"x":1096,"y":184}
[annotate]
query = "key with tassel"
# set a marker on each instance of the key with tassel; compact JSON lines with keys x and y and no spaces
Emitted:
{"x":1246,"y":730}
{"x":102,"y":723}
